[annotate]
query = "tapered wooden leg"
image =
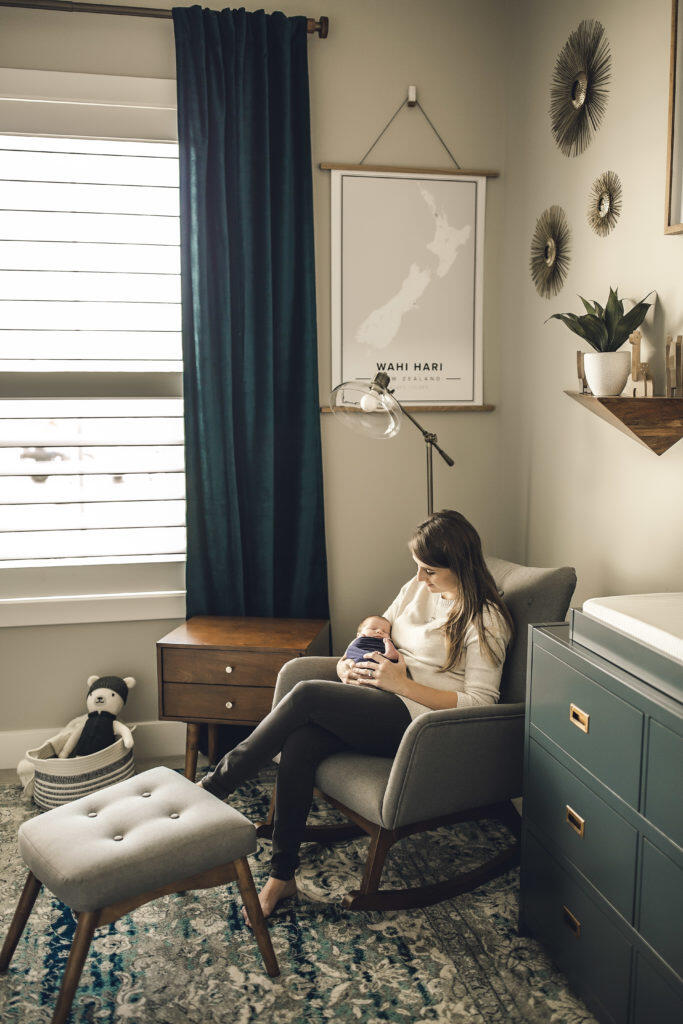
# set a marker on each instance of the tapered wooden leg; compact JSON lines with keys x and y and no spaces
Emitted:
{"x":380,"y":843}
{"x":258,"y":921}
{"x":87,"y":923}
{"x":191,"y":749}
{"x":213,"y":744}
{"x":21,"y":915}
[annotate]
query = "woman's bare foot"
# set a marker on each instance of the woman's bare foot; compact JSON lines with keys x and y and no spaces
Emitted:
{"x":271,"y":894}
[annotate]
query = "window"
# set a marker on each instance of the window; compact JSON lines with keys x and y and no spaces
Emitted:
{"x":90,"y":283}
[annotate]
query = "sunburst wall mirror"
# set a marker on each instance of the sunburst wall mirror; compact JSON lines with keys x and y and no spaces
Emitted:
{"x":549,"y":256}
{"x":604,"y":204}
{"x":578,"y":94}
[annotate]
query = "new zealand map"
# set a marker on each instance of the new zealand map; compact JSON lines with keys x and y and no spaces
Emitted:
{"x":408,"y":266}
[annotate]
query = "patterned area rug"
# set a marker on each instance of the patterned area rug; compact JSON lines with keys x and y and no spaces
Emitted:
{"x":190,"y":959}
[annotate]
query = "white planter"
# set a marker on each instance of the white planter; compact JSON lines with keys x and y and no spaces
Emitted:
{"x":607,"y":372}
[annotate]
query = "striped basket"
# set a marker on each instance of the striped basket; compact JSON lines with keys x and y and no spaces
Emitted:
{"x":58,"y":781}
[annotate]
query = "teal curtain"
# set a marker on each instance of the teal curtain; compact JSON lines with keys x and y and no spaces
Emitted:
{"x":255,"y":528}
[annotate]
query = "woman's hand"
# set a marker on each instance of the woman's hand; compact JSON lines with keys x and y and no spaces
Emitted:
{"x":375,"y":670}
{"x":346,"y":670}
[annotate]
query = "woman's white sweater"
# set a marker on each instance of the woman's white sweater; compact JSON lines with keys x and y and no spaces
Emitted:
{"x":417,"y":620}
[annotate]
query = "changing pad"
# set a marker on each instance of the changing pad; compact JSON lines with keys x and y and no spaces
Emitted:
{"x":653,"y":619}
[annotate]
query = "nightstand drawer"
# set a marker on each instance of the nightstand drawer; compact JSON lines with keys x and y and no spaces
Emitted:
{"x":663,"y":803}
{"x":661,"y":906}
{"x":224,"y":703}
{"x":598,"y":729}
{"x":576,"y":932}
{"x":583,"y":826}
{"x":239,"y":668}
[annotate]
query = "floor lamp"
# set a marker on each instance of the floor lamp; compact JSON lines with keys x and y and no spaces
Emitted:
{"x":372,"y":409}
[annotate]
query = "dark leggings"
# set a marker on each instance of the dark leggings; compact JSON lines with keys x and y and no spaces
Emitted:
{"x":317,"y":718}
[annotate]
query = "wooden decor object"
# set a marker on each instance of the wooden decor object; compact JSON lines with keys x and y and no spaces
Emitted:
{"x":643,"y":387}
{"x":640,"y":383}
{"x":585,"y":390}
{"x":674,"y":366}
{"x":656,"y":423}
{"x":408,"y":170}
{"x":634,"y":342}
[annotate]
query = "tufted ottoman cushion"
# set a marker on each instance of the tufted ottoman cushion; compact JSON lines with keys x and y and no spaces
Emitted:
{"x":138,"y":835}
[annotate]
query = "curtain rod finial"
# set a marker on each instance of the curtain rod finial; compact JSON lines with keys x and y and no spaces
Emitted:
{"x":321,"y":26}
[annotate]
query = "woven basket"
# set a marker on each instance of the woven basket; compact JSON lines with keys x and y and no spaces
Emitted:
{"x":58,"y":781}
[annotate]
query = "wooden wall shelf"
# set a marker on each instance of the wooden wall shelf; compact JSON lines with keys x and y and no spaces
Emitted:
{"x":656,"y":423}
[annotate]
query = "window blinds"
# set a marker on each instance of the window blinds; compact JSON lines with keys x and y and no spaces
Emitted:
{"x":90,"y":281}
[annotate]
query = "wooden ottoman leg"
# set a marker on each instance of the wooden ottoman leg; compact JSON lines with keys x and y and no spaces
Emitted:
{"x":258,"y":921}
{"x":21,"y":916}
{"x":87,"y":923}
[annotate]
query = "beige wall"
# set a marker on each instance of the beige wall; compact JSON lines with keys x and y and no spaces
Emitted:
{"x":45,"y":669}
{"x":590,"y":496}
{"x":541,"y":478}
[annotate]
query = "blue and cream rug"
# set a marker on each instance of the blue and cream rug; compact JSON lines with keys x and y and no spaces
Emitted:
{"x":190,"y":959}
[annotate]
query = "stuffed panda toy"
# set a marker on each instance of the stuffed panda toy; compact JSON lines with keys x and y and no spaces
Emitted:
{"x":99,"y":728}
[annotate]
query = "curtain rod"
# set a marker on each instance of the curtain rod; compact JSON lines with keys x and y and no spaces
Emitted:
{"x":321,"y":26}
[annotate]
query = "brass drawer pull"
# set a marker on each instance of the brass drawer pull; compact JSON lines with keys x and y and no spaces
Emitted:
{"x":571,"y":922}
{"x":228,"y":704}
{"x":228,"y":669}
{"x":575,"y":821}
{"x":578,"y":718}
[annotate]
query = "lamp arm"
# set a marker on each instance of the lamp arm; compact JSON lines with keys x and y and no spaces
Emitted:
{"x":428,"y":436}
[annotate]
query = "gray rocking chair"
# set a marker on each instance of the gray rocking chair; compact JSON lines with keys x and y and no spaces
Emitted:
{"x":478,"y":750}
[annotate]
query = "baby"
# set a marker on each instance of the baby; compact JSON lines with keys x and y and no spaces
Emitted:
{"x":373,"y":635}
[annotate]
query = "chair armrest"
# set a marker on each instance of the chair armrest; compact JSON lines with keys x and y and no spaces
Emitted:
{"x":455,"y":760}
{"x":298,"y":669}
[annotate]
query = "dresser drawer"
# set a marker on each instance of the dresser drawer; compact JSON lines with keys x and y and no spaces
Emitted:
{"x":221,"y":666}
{"x":583,"y":826}
{"x":657,"y":1000}
{"x":225,"y":703}
{"x":663,"y":802}
{"x":580,"y":937}
{"x":661,"y":906}
{"x":595,"y":727}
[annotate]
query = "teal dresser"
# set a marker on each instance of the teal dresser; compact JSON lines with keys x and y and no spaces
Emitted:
{"x":602,"y":837}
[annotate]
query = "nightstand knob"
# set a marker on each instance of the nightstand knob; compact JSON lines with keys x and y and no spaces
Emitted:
{"x":228,"y":668}
{"x":228,"y":704}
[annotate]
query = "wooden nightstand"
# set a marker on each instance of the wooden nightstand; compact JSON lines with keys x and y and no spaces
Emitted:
{"x":222,"y":671}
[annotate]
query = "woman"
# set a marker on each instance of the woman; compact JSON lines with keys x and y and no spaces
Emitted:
{"x":451,"y":630}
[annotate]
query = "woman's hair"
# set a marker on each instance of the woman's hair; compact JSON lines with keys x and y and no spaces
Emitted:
{"x":448,"y":541}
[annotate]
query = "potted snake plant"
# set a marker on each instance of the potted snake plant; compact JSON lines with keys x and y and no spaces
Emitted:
{"x":606,"y":329}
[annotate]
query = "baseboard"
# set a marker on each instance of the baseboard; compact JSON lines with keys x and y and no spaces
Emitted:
{"x":152,"y":740}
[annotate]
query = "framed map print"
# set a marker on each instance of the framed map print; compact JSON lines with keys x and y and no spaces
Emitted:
{"x":407,"y":283}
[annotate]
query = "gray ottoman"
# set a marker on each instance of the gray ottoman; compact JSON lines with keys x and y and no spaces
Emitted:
{"x":116,"y":849}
